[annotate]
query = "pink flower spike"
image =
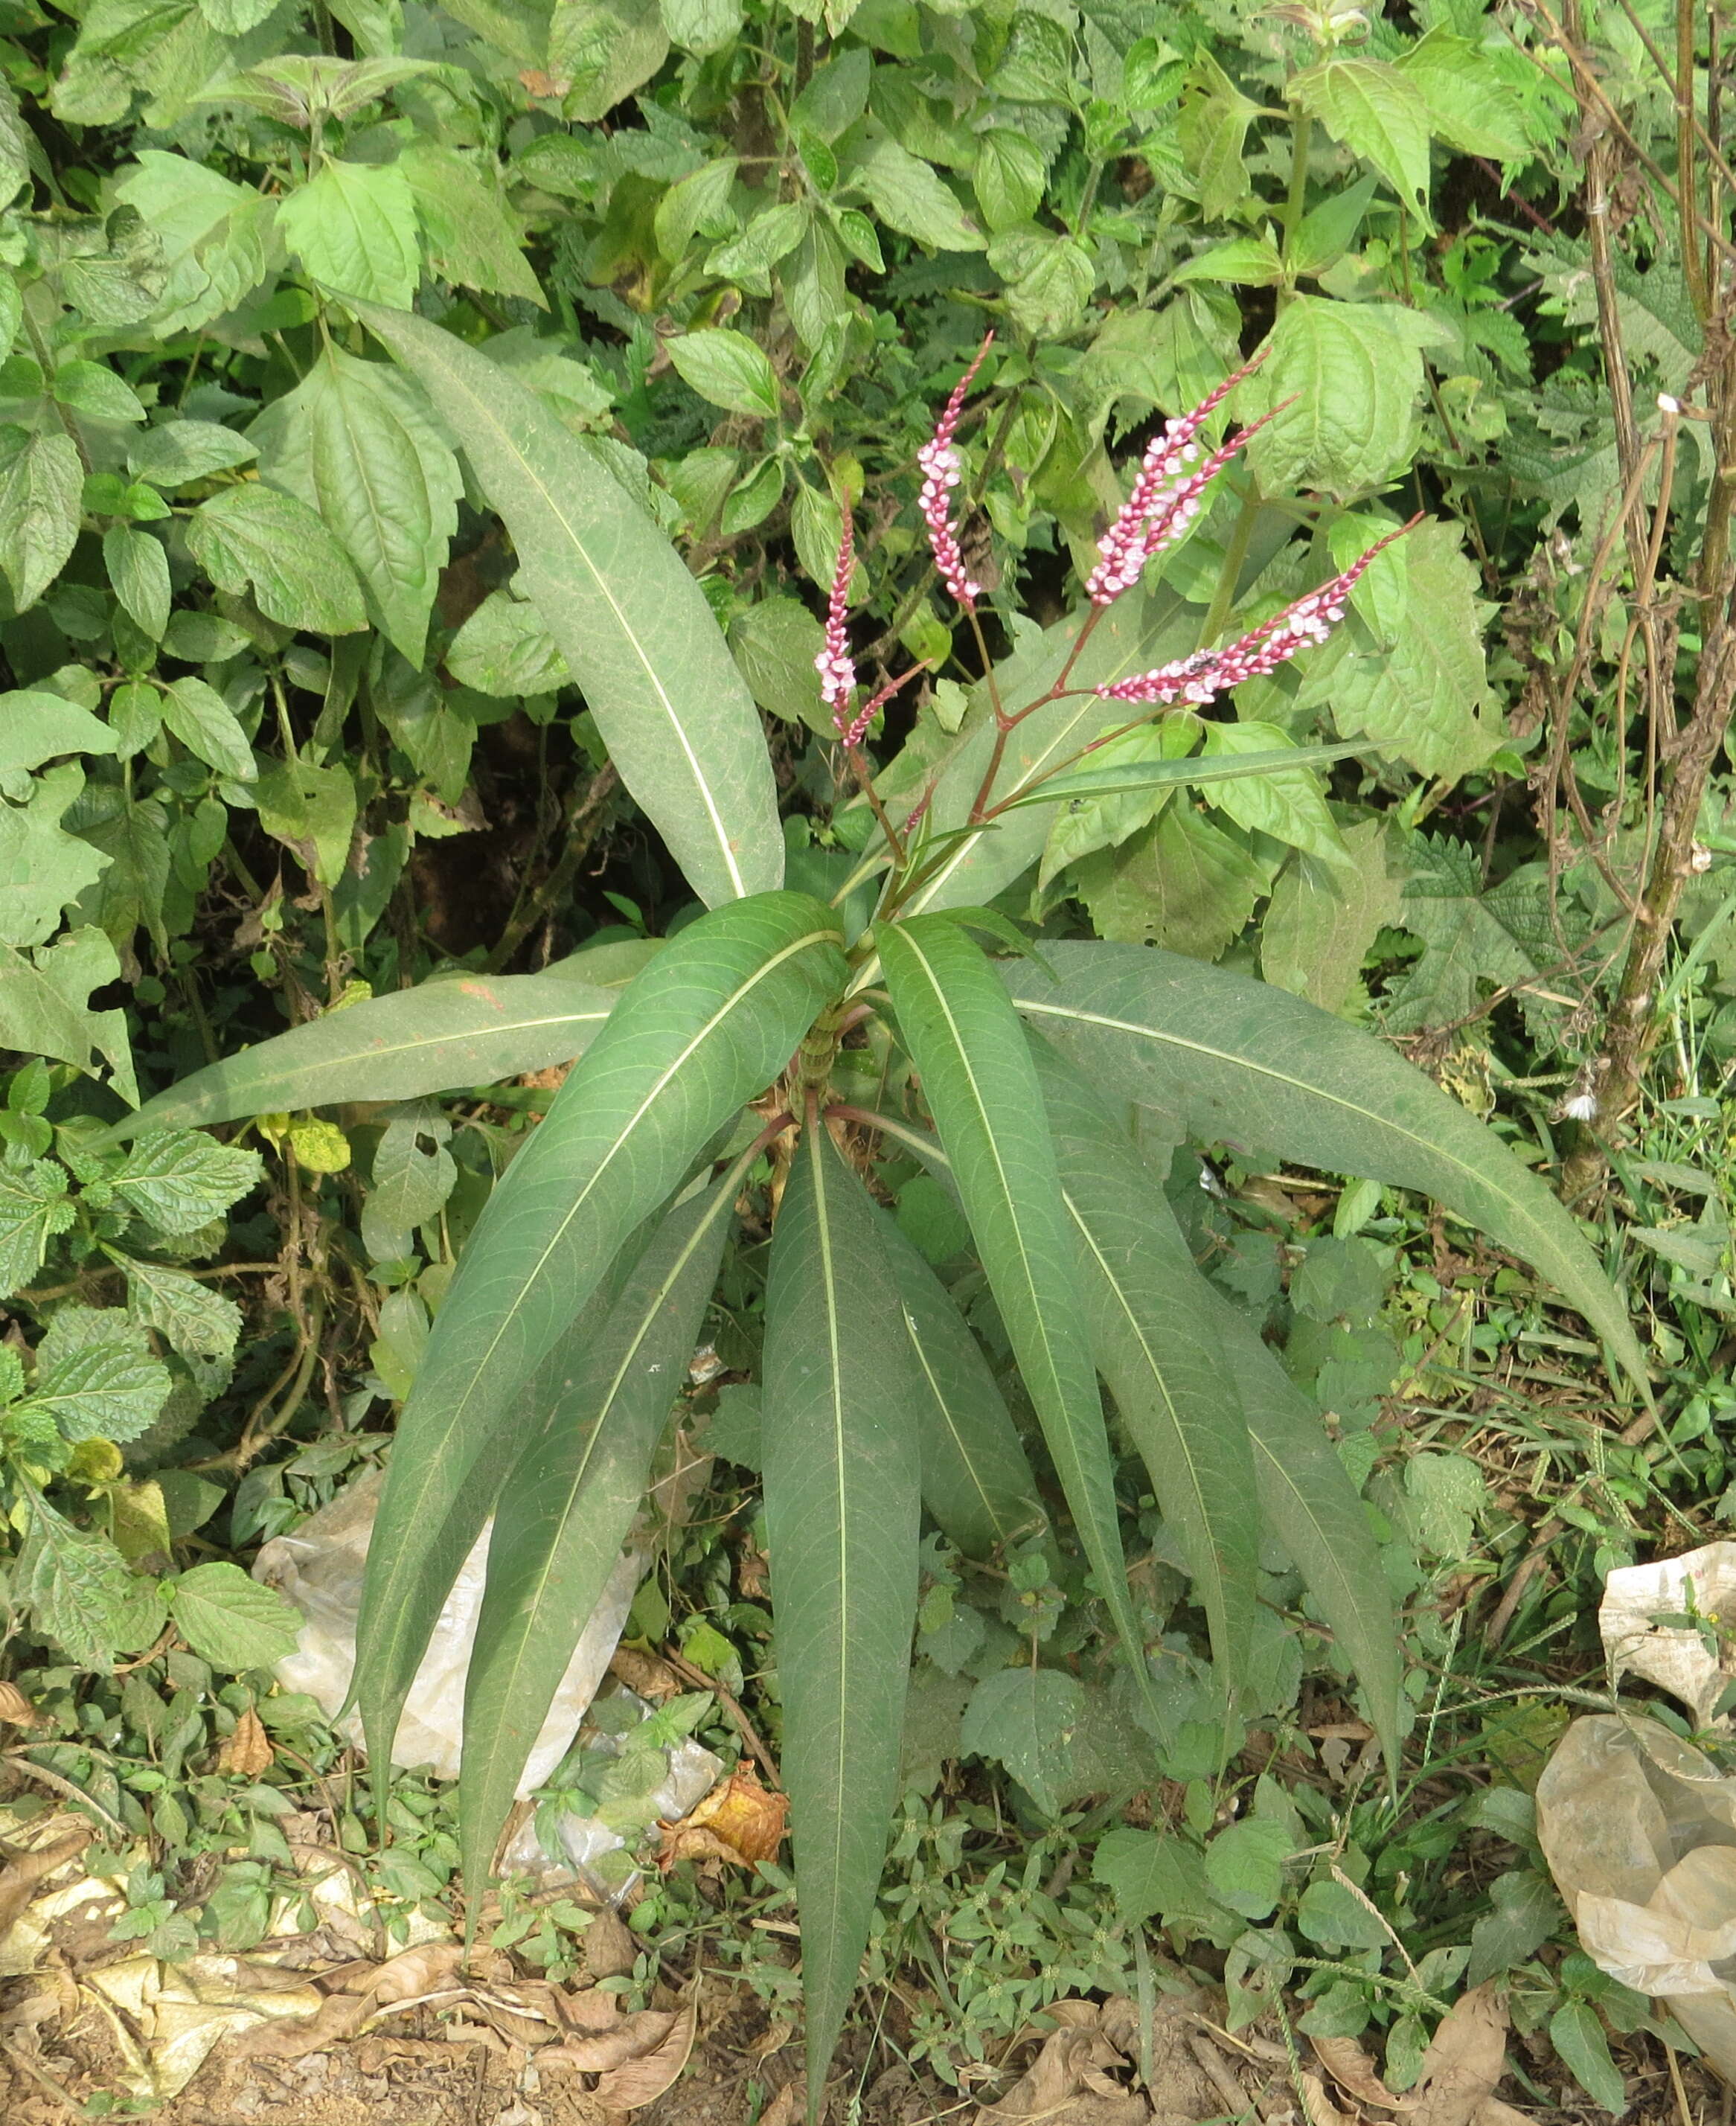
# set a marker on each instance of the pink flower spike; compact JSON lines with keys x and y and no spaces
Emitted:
{"x":1274,"y":642}
{"x":834,"y":664}
{"x":940,"y":473}
{"x":1165,"y":497}
{"x":858,"y":731}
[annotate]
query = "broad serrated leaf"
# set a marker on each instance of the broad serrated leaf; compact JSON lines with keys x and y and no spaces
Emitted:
{"x":1182,"y":883}
{"x":981,"y":1087}
{"x":1472,"y":933}
{"x":138,"y":572}
{"x":311,"y":809}
{"x":179,"y":1180}
{"x":1352,"y":382}
{"x":215,"y":241}
{"x":231,"y":1621}
{"x":1157,"y":1874}
{"x":177,"y":452}
{"x":728,"y":369}
{"x":358,"y":443}
{"x":1322,"y":917}
{"x":35,"y":726}
{"x":976,"y":1481}
{"x":44,"y":1003}
{"x":841,"y":1514}
{"x":504,"y":650}
{"x":602,"y":50}
{"x":1223,"y":1059}
{"x":97,"y":1375}
{"x":190,"y":1316}
{"x":473,"y":238}
{"x":1422,"y":691}
{"x":1379,"y":113}
{"x":702,"y":25}
{"x":43,"y":869}
{"x":602,"y":1397}
{"x":256,"y":537}
{"x":1024,"y":1718}
{"x":80,"y":1591}
{"x":707,"y":1025}
{"x":207,"y":726}
{"x":1469,"y":102}
{"x":33,"y":1207}
{"x":354,"y":226}
{"x":908,"y":195}
{"x":679,"y":722}
{"x":465,"y":1030}
{"x":1154,"y":1348}
{"x":41,"y":483}
{"x":413,"y":1174}
{"x":1284,"y":802}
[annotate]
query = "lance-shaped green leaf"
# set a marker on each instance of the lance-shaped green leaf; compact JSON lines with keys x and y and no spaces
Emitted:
{"x":1158,"y":1352}
{"x":1230,"y":1060}
{"x":627,"y":615}
{"x":472,"y":1030}
{"x":842,"y":1497}
{"x":981,"y":1087}
{"x":1313,"y":1507}
{"x":707,"y":1025}
{"x":1133,"y":777}
{"x":976,"y":1481}
{"x":604,"y":1391}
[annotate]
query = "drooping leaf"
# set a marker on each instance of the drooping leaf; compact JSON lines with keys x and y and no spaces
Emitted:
{"x":1226,"y":1060}
{"x":1024,"y":1717}
{"x":473,"y":236}
{"x":1352,"y":379}
{"x":465,"y":1030}
{"x":193,"y":1317}
{"x":709,"y":1023}
{"x":677,"y":718}
{"x":602,"y":1395}
{"x":80,"y":1589}
{"x":1377,"y":111}
{"x":981,"y":1086}
{"x":1322,"y":918}
{"x":181,"y":1179}
{"x":976,"y":1481}
{"x":97,"y":1375}
{"x":231,"y":1620}
{"x":1182,"y":883}
{"x":1155,"y":1349}
{"x":602,"y":50}
{"x":43,"y":868}
{"x":358,"y":443}
{"x":841,"y":1447}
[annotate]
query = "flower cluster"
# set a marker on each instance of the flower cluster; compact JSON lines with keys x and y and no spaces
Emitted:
{"x":940,"y":472}
{"x":1166,"y":494}
{"x":1263,"y":649}
{"x":835,"y":665}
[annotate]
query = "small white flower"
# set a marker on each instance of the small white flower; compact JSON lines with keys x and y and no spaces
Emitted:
{"x":1667,"y":404}
{"x":1582,"y":1107}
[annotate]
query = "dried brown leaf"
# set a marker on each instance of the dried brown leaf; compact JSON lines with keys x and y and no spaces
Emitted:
{"x":740,"y":1821}
{"x":785,"y":2107}
{"x":22,"y":1874}
{"x":248,"y":1751}
{"x":611,"y":1947}
{"x":15,"y":1708}
{"x":645,"y":1674}
{"x":1317,"y":2107}
{"x":1354,"y":2071}
{"x":642,"y":2081}
{"x":1464,"y":2062}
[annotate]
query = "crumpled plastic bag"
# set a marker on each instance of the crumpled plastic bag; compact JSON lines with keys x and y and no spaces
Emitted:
{"x":319,"y":1567}
{"x":1637,"y":1826}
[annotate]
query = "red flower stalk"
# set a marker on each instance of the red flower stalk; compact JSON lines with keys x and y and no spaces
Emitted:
{"x":1274,"y":642}
{"x":940,"y":475}
{"x":1166,"y":498}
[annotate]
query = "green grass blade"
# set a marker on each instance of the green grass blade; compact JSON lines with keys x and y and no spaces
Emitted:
{"x":623,"y":611}
{"x":1228,"y":1059}
{"x":1157,"y":1349}
{"x":569,"y":1502}
{"x":981,"y":1087}
{"x":472,"y":1030}
{"x":707,"y":1025}
{"x":976,"y":1481}
{"x":842,"y":1517}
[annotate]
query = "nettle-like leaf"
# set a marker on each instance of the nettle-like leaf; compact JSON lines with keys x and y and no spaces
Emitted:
{"x":630,"y":620}
{"x":1378,"y":112}
{"x":33,"y":1208}
{"x":179,"y":1180}
{"x":1220,"y":1059}
{"x":842,"y":1453}
{"x":41,"y":481}
{"x":43,"y":868}
{"x":259,"y":538}
{"x":192,"y":1318}
{"x":231,"y":1620}
{"x":707,"y":1025}
{"x":97,"y":1375}
{"x":1353,"y":378}
{"x":354,"y":226}
{"x":1323,"y":917}
{"x":80,"y":1590}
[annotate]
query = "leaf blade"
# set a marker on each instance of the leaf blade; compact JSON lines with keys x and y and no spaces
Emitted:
{"x":620,"y":606}
{"x":841,"y":1513}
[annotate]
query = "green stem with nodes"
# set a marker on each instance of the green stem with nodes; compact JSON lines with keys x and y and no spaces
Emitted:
{"x":818,"y":1051}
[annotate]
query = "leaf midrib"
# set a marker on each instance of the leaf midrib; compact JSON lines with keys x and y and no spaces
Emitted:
{"x":946,"y":1410}
{"x":829,"y":1280}
{"x":601,"y":581}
